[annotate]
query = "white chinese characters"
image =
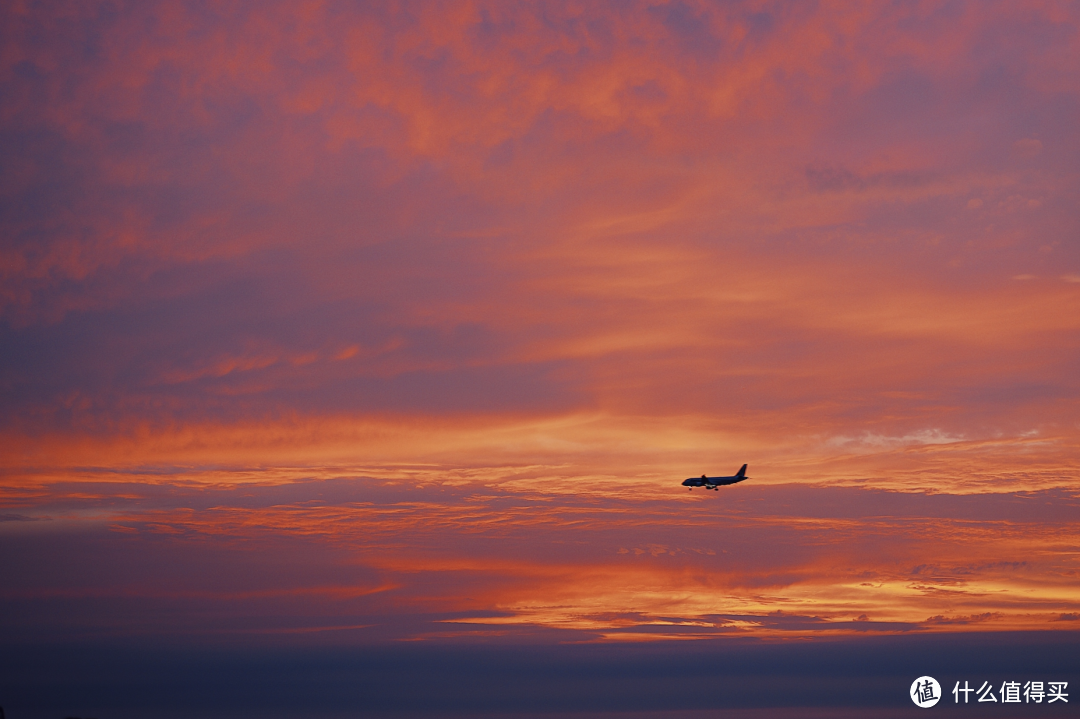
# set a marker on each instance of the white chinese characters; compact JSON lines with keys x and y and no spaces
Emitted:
{"x":1010,"y":692}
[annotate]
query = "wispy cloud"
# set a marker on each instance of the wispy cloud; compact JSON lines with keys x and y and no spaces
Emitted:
{"x":420,"y":558}
{"x":401,"y":321}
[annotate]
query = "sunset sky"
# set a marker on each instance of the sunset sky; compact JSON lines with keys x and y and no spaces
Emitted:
{"x":382,"y":335}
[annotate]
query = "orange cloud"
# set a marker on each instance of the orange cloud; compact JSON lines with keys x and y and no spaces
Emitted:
{"x":500,"y":276}
{"x":425,"y":557}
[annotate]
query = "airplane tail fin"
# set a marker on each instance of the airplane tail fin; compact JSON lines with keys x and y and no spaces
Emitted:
{"x":741,"y":472}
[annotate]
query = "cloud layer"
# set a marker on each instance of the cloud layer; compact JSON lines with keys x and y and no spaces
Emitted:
{"x":327,"y":325}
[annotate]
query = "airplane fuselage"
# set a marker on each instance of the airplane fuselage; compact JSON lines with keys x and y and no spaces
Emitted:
{"x":714,"y":482}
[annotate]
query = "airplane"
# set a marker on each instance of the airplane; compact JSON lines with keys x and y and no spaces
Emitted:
{"x":714,"y":482}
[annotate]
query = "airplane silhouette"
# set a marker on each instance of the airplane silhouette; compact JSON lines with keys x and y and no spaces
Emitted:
{"x":714,"y":482}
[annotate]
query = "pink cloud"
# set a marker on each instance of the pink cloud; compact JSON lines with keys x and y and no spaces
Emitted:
{"x":516,"y":262}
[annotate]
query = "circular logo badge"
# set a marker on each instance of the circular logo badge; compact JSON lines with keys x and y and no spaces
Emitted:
{"x":925,"y":692}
